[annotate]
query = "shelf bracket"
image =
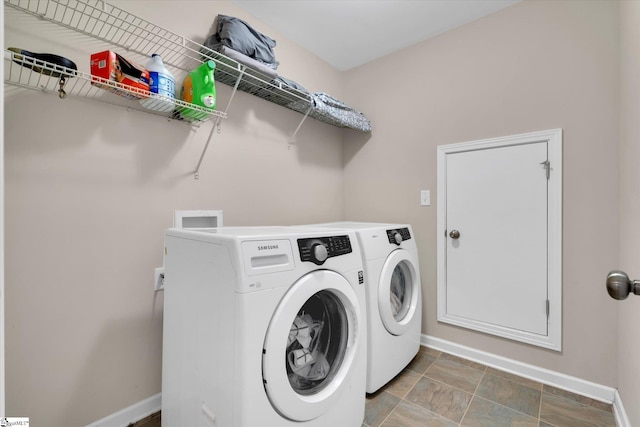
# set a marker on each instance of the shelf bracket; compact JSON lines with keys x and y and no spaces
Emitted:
{"x":216,"y":125}
{"x":196,"y":172}
{"x":295,"y":132}
{"x":235,"y":87}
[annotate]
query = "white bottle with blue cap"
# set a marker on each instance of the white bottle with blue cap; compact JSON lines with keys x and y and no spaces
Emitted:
{"x":161,"y":82}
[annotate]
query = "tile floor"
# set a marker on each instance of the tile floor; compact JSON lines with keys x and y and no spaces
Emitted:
{"x":438,"y":389}
{"x":152,"y":420}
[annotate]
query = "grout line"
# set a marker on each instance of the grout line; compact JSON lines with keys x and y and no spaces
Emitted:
{"x":448,"y":385}
{"x":473,"y":395}
{"x":467,"y":408}
{"x":509,"y":408}
{"x":540,"y":406}
{"x":391,"y":411}
{"x":408,"y":402}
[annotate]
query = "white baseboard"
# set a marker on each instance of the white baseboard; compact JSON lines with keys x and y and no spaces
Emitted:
{"x":131,"y":414}
{"x":542,"y":375}
{"x":618,"y":411}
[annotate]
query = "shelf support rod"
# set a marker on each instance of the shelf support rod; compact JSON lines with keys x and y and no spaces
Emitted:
{"x":235,"y":86}
{"x":216,"y":125}
{"x":293,"y":137}
{"x":196,"y":173}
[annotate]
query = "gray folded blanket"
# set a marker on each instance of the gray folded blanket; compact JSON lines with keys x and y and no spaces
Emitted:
{"x":236,"y":34}
{"x":329,"y":110}
{"x":235,"y":39}
{"x":245,"y":60}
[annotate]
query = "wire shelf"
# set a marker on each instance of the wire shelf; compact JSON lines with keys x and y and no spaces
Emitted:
{"x":103,"y":21}
{"x":27,"y":72}
{"x":228,"y":71}
{"x":111,"y":24}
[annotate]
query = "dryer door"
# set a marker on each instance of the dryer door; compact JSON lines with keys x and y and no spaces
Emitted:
{"x":399,"y":291}
{"x":310,"y":345}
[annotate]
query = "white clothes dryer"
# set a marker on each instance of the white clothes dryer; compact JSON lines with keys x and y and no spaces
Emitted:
{"x":263,"y":326}
{"x":394,"y":301}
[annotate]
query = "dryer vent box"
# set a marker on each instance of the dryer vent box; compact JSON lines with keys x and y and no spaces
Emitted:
{"x":197,"y":219}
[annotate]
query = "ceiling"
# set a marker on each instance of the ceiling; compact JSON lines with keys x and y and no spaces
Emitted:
{"x":349,"y":33}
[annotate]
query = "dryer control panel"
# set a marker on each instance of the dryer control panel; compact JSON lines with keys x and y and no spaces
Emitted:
{"x":398,"y":235}
{"x":318,"y":249}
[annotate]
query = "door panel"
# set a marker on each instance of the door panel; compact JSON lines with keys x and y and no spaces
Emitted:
{"x":496,"y":269}
{"x":500,"y":271}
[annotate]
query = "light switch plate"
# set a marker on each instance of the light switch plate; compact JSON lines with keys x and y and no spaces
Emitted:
{"x":425,"y":198}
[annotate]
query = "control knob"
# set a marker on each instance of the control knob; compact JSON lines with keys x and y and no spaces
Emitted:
{"x":319,"y":253}
{"x":397,"y":237}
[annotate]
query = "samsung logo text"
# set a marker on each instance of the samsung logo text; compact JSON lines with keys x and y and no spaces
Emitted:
{"x":267,"y":247}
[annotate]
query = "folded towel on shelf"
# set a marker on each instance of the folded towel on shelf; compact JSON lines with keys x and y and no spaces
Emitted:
{"x":244,"y":60}
{"x":236,"y":34}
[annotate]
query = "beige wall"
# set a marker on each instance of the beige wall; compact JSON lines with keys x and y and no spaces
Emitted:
{"x":629,"y":348}
{"x":91,"y":188}
{"x":536,"y":65}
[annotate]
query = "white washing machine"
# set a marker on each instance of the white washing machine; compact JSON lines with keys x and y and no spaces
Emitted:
{"x":394,"y":302}
{"x":263,"y":327}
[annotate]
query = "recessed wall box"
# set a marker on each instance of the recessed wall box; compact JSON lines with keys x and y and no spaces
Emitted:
{"x":197,"y":219}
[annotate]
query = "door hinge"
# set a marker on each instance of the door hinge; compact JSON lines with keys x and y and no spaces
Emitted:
{"x":547,"y":309}
{"x":547,"y":166}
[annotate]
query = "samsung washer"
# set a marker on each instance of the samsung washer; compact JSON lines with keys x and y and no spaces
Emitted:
{"x":263,"y":327}
{"x":394,"y":302}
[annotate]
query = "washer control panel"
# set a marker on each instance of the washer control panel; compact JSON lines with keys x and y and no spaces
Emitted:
{"x":318,"y":249}
{"x":398,"y":235}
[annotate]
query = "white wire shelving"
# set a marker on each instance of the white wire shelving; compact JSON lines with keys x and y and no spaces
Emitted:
{"x":103,"y":21}
{"x":32,"y":73}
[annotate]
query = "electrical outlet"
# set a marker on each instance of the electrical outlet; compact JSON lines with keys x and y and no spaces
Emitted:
{"x":158,"y":283}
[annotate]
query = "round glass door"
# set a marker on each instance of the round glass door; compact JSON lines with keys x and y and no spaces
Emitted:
{"x":398,"y":291}
{"x":310,"y":345}
{"x":316,"y":343}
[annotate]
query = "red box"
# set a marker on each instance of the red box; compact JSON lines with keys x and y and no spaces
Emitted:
{"x":126,"y":75}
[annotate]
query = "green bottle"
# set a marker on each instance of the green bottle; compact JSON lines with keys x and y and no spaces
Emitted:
{"x":199,"y":88}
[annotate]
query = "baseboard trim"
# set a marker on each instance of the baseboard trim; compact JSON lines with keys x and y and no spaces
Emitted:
{"x":622,"y":420}
{"x":131,"y":414}
{"x":542,"y":375}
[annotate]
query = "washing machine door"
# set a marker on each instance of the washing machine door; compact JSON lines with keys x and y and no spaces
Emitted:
{"x":399,"y":291}
{"x":310,"y":346}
